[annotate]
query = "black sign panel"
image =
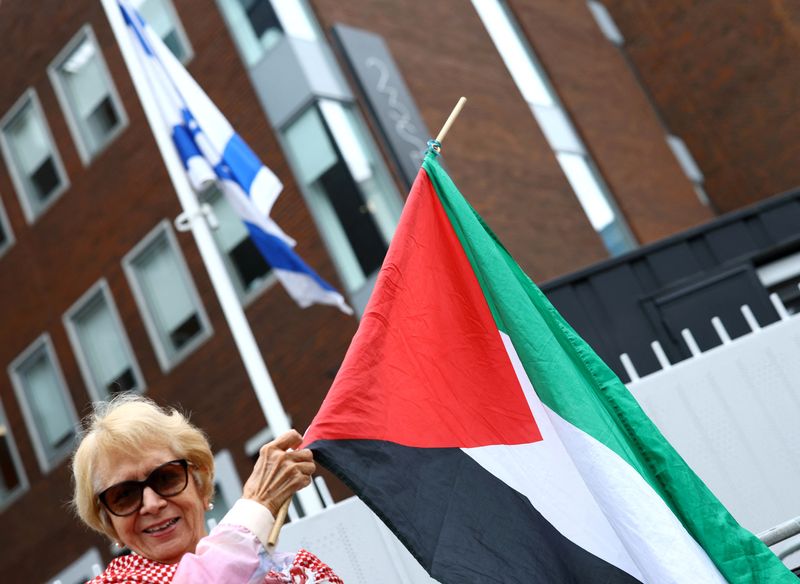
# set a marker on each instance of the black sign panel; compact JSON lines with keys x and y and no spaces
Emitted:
{"x":387,"y":96}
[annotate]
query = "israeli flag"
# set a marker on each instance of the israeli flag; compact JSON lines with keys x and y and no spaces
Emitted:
{"x":212,"y":152}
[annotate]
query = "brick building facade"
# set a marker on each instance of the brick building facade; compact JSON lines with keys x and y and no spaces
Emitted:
{"x":723,"y":76}
{"x":72,"y":218}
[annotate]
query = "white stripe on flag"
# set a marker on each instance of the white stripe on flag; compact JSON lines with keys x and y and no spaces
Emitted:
{"x":308,"y":292}
{"x":244,"y":209}
{"x":544,"y":473}
{"x":216,"y":128}
{"x":649,"y":533}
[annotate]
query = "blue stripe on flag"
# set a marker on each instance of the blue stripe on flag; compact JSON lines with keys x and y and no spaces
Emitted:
{"x":281,"y":257}
{"x":136,"y":27}
{"x":184,"y":144}
{"x":243,"y":163}
{"x":223,"y":171}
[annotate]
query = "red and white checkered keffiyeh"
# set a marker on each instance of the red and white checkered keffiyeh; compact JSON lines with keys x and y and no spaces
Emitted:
{"x":134,"y":569}
{"x":307,"y":569}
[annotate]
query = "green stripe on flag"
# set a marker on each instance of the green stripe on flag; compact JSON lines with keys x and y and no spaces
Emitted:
{"x":575,"y":383}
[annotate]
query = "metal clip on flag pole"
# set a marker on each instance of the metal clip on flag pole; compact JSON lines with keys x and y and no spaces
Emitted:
{"x":436,"y":146}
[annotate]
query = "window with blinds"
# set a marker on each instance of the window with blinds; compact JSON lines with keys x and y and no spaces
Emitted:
{"x":6,"y":235}
{"x":45,"y":402}
{"x":31,"y":156}
{"x":160,"y":15}
{"x":166,"y":296}
{"x":249,"y":271}
{"x":101,"y":346}
{"x":258,"y":25}
{"x":227,"y":487}
{"x":13,"y":481}
{"x":83,"y":569}
{"x":87,"y":94}
{"x":347,"y":187}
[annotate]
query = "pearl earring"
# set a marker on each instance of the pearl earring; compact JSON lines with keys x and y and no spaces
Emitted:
{"x":210,"y":507}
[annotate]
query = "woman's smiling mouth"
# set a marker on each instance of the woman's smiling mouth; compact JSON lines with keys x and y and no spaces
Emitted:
{"x":161,"y":527}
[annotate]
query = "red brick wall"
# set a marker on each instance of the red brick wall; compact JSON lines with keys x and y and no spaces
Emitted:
{"x":613,"y":116}
{"x":725,"y":76}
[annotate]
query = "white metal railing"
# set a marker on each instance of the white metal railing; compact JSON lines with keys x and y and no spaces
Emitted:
{"x":781,"y":532}
{"x":691,"y":343}
{"x":356,"y":544}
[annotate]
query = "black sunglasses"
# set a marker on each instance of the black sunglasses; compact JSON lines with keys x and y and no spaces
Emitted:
{"x":167,"y":480}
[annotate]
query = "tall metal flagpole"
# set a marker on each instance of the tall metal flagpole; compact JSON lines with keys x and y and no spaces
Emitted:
{"x":231,"y":307}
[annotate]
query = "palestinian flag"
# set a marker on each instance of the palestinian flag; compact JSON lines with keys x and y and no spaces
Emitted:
{"x":494,"y":442}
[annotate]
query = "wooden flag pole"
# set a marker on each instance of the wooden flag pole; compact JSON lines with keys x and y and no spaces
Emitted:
{"x":437,"y":146}
{"x":279,"y":521}
{"x":451,"y":118}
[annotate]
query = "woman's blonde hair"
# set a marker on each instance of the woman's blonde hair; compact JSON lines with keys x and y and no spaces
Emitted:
{"x":128,"y":424}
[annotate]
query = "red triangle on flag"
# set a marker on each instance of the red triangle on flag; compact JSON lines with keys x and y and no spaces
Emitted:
{"x":427,"y":367}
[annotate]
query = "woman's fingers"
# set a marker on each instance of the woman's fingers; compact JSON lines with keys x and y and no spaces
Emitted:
{"x":279,"y":471}
{"x":304,"y":455}
{"x":287,"y":440}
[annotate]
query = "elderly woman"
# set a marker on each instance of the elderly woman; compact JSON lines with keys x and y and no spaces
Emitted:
{"x":144,"y":476}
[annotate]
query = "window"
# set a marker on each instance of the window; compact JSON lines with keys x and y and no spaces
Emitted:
{"x":162,"y":18}
{"x":6,"y":235}
{"x":249,"y":271}
{"x":87,"y":95}
{"x":13,"y":481}
{"x":45,"y":402}
{"x":532,"y":82}
{"x":689,"y":167}
{"x":166,"y":296}
{"x":31,"y":156}
{"x":81,"y":570}
{"x":605,"y":22}
{"x":354,"y":202}
{"x":252,"y":447}
{"x":258,"y":25}
{"x":227,"y":487}
{"x":101,"y":346}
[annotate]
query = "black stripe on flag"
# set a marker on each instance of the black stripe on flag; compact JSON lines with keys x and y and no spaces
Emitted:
{"x":462,"y":523}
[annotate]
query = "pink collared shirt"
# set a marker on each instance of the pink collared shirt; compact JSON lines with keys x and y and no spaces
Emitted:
{"x":235,"y":551}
